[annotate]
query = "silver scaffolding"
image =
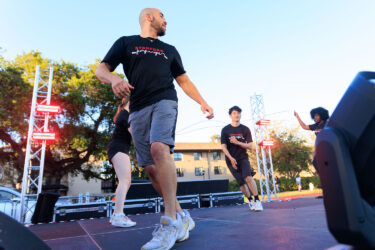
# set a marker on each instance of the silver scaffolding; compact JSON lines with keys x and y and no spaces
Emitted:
{"x":263,"y":153}
{"x":35,"y":150}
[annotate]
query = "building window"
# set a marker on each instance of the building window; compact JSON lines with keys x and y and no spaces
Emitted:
{"x":216,"y":156}
{"x":177,"y":156}
{"x":180,"y":172}
{"x":218,"y":170}
{"x":199,"y":171}
{"x":197,"y":156}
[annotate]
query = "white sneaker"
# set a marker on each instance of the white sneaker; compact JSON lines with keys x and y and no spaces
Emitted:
{"x":111,"y":218}
{"x":121,"y":221}
{"x":183,"y":229}
{"x":258,"y":206}
{"x":191,"y":221}
{"x":252,"y":205}
{"x":164,"y":236}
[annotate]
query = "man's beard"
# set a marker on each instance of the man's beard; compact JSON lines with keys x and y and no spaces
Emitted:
{"x":160,"y":32}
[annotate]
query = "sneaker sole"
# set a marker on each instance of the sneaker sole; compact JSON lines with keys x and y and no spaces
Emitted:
{"x":163,"y":248}
{"x":120,"y":225}
{"x":186,"y":236}
{"x":160,"y":248}
{"x":192,"y":227}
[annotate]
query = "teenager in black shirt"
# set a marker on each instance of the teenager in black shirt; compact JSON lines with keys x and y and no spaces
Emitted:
{"x":235,"y":141}
{"x":319,"y":115}
{"x":151,"y":66}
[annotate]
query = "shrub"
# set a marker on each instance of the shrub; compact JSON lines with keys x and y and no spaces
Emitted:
{"x":233,"y":186}
{"x":313,"y":179}
{"x":288,"y":184}
{"x":291,"y":184}
{"x":285,"y":184}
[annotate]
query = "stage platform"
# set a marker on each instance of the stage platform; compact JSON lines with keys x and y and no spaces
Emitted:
{"x":294,"y":224}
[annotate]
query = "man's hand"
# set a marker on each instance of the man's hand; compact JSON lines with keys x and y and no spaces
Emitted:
{"x":296,"y":114}
{"x":233,"y":140}
{"x":234,"y":163}
{"x":205,"y":108}
{"x":121,"y":88}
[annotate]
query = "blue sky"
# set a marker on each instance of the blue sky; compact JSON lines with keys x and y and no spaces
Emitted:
{"x":298,"y":54}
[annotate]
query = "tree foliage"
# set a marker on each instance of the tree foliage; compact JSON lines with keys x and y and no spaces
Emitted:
{"x":84,"y":125}
{"x":290,"y":155}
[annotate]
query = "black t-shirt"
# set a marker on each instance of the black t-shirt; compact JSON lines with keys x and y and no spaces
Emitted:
{"x":242,"y":134}
{"x":150,"y":66}
{"x":317,"y":127}
{"x":121,"y":133}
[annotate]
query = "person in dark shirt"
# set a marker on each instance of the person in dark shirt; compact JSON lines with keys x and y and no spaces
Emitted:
{"x":118,"y":154}
{"x":235,"y":141}
{"x":151,"y":66}
{"x":319,"y":115}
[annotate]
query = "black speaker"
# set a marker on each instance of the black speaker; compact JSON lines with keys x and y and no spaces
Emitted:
{"x":146,"y":190}
{"x":13,"y":235}
{"x":345,"y":161}
{"x":44,"y":207}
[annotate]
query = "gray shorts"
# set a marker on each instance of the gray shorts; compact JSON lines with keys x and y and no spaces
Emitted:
{"x":154,"y":123}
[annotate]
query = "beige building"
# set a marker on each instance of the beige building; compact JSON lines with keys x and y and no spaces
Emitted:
{"x":200,"y":161}
{"x":194,"y":161}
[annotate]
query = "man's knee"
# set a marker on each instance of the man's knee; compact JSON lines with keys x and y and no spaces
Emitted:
{"x":158,"y":149}
{"x":151,"y":171}
{"x":241,"y":182}
{"x":249,"y":179}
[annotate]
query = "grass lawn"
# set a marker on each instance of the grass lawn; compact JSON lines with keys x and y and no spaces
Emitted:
{"x":295,"y":194}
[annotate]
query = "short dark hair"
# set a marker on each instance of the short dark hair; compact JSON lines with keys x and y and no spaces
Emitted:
{"x":322,"y":112}
{"x":235,"y":108}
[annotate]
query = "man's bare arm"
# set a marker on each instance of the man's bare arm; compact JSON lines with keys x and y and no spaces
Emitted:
{"x":241,"y":144}
{"x":226,"y":152}
{"x":189,"y":88}
{"x":244,"y":145}
{"x":120,"y":87}
{"x":104,"y":74}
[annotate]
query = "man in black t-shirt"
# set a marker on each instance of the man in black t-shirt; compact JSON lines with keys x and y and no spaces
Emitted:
{"x":235,"y":141}
{"x":319,"y":115}
{"x":151,"y":66}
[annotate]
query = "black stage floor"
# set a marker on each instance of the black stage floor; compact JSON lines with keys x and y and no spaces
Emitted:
{"x":296,"y":224}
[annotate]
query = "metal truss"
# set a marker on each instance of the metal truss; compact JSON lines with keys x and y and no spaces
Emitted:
{"x":35,"y":149}
{"x":263,"y":153}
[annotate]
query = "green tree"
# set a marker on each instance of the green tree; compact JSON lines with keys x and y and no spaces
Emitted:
{"x":14,"y":98}
{"x":290,"y":155}
{"x":83,"y":127}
